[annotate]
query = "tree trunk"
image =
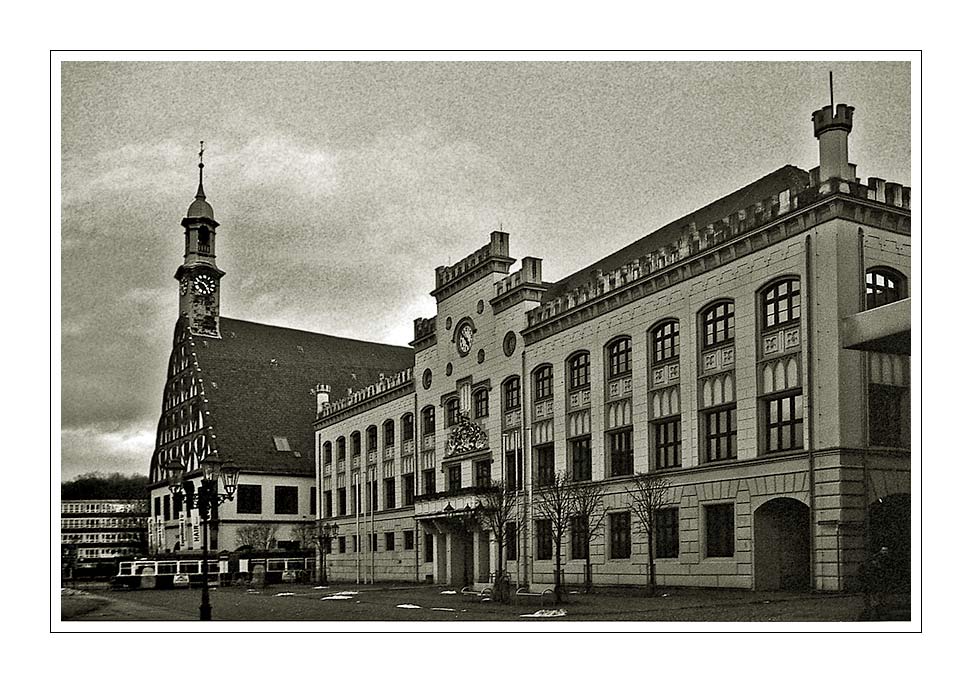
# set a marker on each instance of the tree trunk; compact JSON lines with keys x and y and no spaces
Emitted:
{"x":651,"y":565}
{"x":557,"y":587}
{"x":587,"y":572}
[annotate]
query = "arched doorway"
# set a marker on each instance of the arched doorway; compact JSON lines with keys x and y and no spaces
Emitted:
{"x":781,"y":544}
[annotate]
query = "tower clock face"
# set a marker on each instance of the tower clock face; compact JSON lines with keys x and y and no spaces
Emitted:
{"x":464,"y":337}
{"x":203,"y":284}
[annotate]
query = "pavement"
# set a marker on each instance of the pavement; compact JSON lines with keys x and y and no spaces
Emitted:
{"x":387,"y":602}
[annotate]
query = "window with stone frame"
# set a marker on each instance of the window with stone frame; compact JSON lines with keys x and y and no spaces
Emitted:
{"x":481,"y":403}
{"x":341,"y":449}
{"x":389,"y":540}
{"x":342,"y":501}
{"x":543,"y":383}
{"x":429,"y":545}
{"x":249,"y":499}
{"x":285,"y":500}
{"x":428,"y":481}
{"x":390,"y":493}
{"x":580,"y":458}
{"x":342,"y":544}
{"x":579,"y":371}
{"x":483,"y":473}
{"x":883,"y":286}
{"x":720,"y":530}
{"x":328,"y":504}
{"x":408,"y":489}
{"x":666,"y":533}
{"x":620,"y":452}
{"x":372,"y":438}
{"x":328,"y":453}
{"x":619,"y":357}
{"x":664,"y":342}
{"x":545,"y":464}
{"x":781,"y":303}
{"x":428,"y":420}
{"x":511,"y":540}
{"x":667,"y":442}
{"x":389,"y":433}
{"x":514,"y":477}
{"x":355,"y":444}
{"x":408,"y":427}
{"x":511,"y":394}
{"x":455,"y":478}
{"x":718,"y":324}
{"x":544,"y":528}
{"x":619,"y":524}
{"x":579,"y":547}
{"x":408,"y":538}
{"x":782,"y":422}
{"x":452,"y":412}
{"x":719,"y":433}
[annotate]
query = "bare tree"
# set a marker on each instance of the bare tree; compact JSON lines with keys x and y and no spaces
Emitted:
{"x":258,"y":536}
{"x":588,"y":507}
{"x":304,"y":535}
{"x":649,"y":495}
{"x":555,"y":501}
{"x":497,"y":509}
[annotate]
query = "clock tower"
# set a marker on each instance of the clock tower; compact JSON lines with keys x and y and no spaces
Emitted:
{"x":198,"y":275}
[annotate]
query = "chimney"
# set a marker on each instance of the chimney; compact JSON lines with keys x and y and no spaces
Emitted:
{"x":323,"y":392}
{"x":831,"y":126}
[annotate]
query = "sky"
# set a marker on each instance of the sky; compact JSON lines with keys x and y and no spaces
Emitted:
{"x":340,"y":186}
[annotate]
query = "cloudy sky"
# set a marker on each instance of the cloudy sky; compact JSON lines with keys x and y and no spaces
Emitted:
{"x":340,"y":186}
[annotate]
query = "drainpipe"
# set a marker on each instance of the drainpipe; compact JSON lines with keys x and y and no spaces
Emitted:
{"x":527,"y":472}
{"x":415,"y":471}
{"x":810,"y":415}
{"x":357,"y":527}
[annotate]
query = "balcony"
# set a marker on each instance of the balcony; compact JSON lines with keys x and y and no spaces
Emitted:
{"x":886,"y":329}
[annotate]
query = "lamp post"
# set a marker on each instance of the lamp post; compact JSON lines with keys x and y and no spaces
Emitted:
{"x":325,"y":532}
{"x":207,"y":499}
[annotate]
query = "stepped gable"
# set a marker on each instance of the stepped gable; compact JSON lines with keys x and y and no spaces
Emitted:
{"x":787,"y":177}
{"x":260,"y":381}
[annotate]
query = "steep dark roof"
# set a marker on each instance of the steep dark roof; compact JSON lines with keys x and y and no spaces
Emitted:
{"x":783,"y":178}
{"x":260,"y":381}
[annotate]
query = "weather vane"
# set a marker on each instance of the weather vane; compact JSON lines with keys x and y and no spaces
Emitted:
{"x":202,"y":148}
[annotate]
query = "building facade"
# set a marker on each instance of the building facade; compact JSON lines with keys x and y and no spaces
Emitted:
{"x":95,"y":534}
{"x":245,"y":393}
{"x":755,"y":353}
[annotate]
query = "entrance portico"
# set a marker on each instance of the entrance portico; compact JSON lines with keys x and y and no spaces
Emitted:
{"x":461,"y":547}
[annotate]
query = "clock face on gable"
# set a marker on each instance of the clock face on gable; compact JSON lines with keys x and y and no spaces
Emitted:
{"x":203,"y":284}
{"x":464,"y":337}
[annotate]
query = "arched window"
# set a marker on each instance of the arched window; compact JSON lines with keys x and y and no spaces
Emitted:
{"x":883,"y":286}
{"x":619,"y":357}
{"x":355,"y":444}
{"x":511,"y":394}
{"x":372,"y":436}
{"x":481,"y":403}
{"x":408,"y":427}
{"x":452,"y":412}
{"x":428,"y":420}
{"x":579,"y":371}
{"x":342,"y":450}
{"x":389,"y":428}
{"x":781,"y":303}
{"x":718,"y":323}
{"x":542,"y":383}
{"x":327,"y":453}
{"x":664,"y":341}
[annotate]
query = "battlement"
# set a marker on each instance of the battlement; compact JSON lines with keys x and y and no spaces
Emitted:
{"x":695,"y":239}
{"x":497,"y":251}
{"x":840,"y":117}
{"x":353,"y":398}
{"x":530,"y":273}
{"x":423,"y":327}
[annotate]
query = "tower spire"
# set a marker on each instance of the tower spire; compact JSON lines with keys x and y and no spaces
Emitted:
{"x":199,"y":192}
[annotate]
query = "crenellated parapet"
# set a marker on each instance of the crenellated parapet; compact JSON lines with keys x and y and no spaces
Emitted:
{"x":697,"y":239}
{"x":424,"y":332}
{"x":386,"y":387}
{"x":494,"y":257}
{"x":526,"y":284}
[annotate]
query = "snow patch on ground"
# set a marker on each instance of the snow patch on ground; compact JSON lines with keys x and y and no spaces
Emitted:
{"x":320,"y":588}
{"x":346,"y":593}
{"x":443,"y":609}
{"x":447,"y":593}
{"x":282,"y":595}
{"x":409,"y":606}
{"x":336,"y":597}
{"x":542,"y":613}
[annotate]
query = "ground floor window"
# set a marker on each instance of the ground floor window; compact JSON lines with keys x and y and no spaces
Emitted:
{"x":720,"y":530}
{"x":544,"y":539}
{"x":621,"y":453}
{"x":579,"y":549}
{"x":580,"y":459}
{"x":409,"y":540}
{"x":342,"y":544}
{"x":888,"y":413}
{"x":429,"y":548}
{"x":511,"y":540}
{"x":545,"y":464}
{"x":620,"y":525}
{"x":389,"y":540}
{"x":666,"y":533}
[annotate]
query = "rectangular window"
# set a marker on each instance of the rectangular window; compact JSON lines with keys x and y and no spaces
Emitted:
{"x":513,"y":474}
{"x":720,"y":531}
{"x":389,"y":540}
{"x":428,"y":483}
{"x":483,"y":473}
{"x":429,"y":548}
{"x":511,"y":394}
{"x":372,"y":436}
{"x":409,"y":539}
{"x":719,"y":324}
{"x":285,"y":500}
{"x":373,"y":500}
{"x":579,"y":549}
{"x":621,"y":453}
{"x":511,"y":540}
{"x":720,"y":434}
{"x":408,"y":484}
{"x":389,"y":433}
{"x":620,"y":524}
{"x":580,"y":371}
{"x":342,"y":544}
{"x":668,"y":443}
{"x":888,"y":415}
{"x":580,"y":459}
{"x":373,"y":542}
{"x":545,"y":464}
{"x":328,"y":504}
{"x":428,"y":421}
{"x":249,"y":499}
{"x":455,"y":478}
{"x":543,"y":383}
{"x":158,"y":506}
{"x":544,"y":539}
{"x":408,"y":428}
{"x":390,"y":493}
{"x":783,"y":423}
{"x":356,"y":542}
{"x":452,"y":413}
{"x":666,"y":533}
{"x":166,"y":508}
{"x":482,"y":403}
{"x":313,"y":500}
{"x":342,"y":501}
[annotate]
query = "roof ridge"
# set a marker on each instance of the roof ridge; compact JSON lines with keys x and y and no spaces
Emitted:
{"x":312,"y":332}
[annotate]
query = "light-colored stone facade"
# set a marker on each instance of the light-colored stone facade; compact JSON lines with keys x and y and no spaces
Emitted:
{"x":799,"y":513}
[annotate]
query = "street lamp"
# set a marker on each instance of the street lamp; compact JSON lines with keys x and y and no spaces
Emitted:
{"x":325,"y":532}
{"x":207,"y":499}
